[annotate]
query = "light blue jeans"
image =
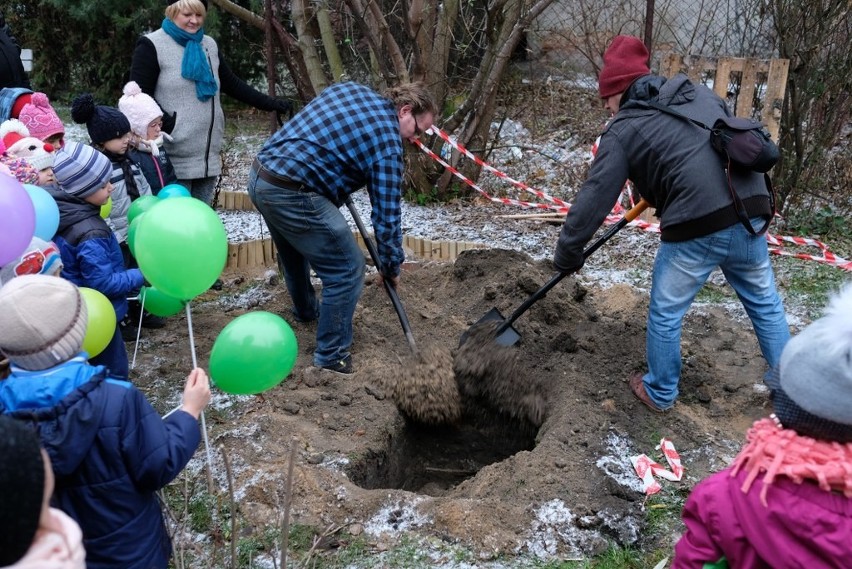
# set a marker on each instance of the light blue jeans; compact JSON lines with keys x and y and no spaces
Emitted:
{"x":310,"y":232}
{"x":680,"y":270}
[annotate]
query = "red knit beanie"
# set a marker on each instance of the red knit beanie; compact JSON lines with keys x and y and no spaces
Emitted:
{"x":19,"y":103}
{"x":625,"y":60}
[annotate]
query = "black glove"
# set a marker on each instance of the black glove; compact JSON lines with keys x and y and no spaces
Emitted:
{"x":567,"y":261}
{"x":169,"y":121}
{"x":283,"y":109}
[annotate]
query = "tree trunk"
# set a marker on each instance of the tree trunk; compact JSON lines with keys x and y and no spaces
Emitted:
{"x":307,"y":43}
{"x":335,"y":63}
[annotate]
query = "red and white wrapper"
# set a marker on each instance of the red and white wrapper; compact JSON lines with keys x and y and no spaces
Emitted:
{"x":647,"y":468}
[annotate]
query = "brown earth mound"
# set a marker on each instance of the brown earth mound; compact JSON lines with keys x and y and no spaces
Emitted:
{"x":551,"y":479}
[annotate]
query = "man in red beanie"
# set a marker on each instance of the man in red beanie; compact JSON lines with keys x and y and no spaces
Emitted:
{"x":673,"y":166}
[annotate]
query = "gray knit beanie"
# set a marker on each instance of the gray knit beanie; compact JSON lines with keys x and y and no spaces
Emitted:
{"x":80,"y":170}
{"x":815,"y":375}
{"x":42,"y":321}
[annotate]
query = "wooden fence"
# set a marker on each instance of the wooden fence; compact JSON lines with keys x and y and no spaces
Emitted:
{"x":261,"y":252}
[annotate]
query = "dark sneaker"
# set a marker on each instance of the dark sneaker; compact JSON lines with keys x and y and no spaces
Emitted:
{"x":302,"y":319}
{"x":128,"y":329}
{"x":151,"y":321}
{"x":344,"y":366}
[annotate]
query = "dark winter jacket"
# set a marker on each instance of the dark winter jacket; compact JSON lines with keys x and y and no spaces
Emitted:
{"x":670,"y":162}
{"x":12,"y":73}
{"x":110,"y":452}
{"x":90,"y":252}
{"x":199,"y":126}
{"x":158,"y":170}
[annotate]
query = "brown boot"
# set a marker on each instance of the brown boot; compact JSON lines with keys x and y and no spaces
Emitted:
{"x":637,"y":386}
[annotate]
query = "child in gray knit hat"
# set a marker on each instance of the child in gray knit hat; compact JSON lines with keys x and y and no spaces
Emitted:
{"x":90,"y":252}
{"x":111,"y":452}
{"x":787,"y":499}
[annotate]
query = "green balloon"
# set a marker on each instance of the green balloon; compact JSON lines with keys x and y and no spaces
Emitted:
{"x":160,"y":304}
{"x":131,"y":235}
{"x":106,"y":208}
{"x":181,"y":247}
{"x":140,"y":205}
{"x":100,"y":325}
{"x":253,"y":353}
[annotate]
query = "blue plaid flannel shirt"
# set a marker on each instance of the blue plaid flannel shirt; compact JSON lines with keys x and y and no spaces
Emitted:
{"x":346,"y":138}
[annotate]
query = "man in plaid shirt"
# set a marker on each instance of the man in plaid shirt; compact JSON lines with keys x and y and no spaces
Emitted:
{"x":346,"y":138}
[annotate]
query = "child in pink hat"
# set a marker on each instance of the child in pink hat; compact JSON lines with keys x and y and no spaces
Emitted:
{"x":42,"y":121}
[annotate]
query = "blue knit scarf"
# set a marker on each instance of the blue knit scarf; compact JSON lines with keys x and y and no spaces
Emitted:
{"x":194,"y":66}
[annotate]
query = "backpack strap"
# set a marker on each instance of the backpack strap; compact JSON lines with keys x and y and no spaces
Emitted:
{"x":739,"y":207}
{"x":670,"y":111}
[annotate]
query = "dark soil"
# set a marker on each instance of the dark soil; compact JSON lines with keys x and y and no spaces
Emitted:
{"x":538,"y":459}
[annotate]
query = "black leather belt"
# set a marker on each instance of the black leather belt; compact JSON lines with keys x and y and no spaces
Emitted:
{"x":276,"y":180}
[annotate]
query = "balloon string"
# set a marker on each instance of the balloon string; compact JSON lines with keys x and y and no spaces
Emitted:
{"x":203,"y":421}
{"x":141,"y":297}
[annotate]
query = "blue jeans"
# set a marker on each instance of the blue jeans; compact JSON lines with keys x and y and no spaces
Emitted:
{"x":680,"y":270}
{"x":201,"y":188}
{"x":310,"y":232}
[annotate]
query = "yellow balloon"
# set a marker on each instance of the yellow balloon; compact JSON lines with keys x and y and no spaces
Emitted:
{"x":100,"y":327}
{"x":106,"y":208}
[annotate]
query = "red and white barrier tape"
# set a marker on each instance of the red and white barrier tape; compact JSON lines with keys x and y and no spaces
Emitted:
{"x":776,"y":246}
{"x":647,"y":468}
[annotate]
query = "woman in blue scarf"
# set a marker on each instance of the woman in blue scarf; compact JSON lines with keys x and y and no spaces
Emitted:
{"x":185,"y":73}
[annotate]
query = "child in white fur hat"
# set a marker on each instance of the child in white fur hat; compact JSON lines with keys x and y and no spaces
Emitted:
{"x":146,"y":144}
{"x":21,"y":144}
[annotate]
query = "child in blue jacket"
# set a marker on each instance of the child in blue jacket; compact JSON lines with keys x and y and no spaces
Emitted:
{"x":90,"y":251}
{"x":111,"y":452}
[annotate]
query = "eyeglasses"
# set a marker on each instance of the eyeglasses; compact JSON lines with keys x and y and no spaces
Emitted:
{"x":417,"y":130}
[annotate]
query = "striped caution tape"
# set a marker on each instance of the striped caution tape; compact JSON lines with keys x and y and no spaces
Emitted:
{"x":776,"y":242}
{"x":647,"y":469}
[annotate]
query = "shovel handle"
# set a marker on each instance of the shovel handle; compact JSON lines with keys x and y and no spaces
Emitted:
{"x":632,"y":214}
{"x":374,"y":254}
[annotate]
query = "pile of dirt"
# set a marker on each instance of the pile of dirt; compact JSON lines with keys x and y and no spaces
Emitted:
{"x":552,"y":479}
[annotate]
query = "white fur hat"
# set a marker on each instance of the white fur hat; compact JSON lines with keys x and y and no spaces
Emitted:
{"x":20,"y":144}
{"x":139,"y":108}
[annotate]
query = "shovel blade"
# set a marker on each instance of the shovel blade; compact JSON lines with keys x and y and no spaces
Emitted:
{"x":507,"y":337}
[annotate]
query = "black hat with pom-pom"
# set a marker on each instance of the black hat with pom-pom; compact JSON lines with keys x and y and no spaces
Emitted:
{"x":103,"y":123}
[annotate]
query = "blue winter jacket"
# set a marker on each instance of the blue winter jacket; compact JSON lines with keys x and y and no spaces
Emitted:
{"x":90,"y":252}
{"x":110,"y":451}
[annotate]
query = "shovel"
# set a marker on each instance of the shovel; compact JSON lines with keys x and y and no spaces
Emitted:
{"x":394,"y":297}
{"x":505,"y":334}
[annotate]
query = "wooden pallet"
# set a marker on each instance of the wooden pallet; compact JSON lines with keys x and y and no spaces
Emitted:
{"x":760,"y":84}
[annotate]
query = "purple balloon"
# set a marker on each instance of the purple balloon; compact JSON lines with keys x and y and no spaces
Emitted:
{"x":17,"y":219}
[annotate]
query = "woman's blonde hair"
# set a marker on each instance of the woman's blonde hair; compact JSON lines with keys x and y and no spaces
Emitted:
{"x":414,"y":94}
{"x":175,"y":8}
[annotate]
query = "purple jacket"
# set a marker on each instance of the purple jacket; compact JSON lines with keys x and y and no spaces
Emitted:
{"x":803,"y":526}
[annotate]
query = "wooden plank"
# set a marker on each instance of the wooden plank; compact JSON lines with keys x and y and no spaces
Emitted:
{"x":776,"y":86}
{"x":745,"y":98}
{"x":233,"y":250}
{"x":242,"y":255}
{"x":445,"y":250}
{"x":722,"y":82}
{"x":671,"y":64}
{"x":252,"y":256}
